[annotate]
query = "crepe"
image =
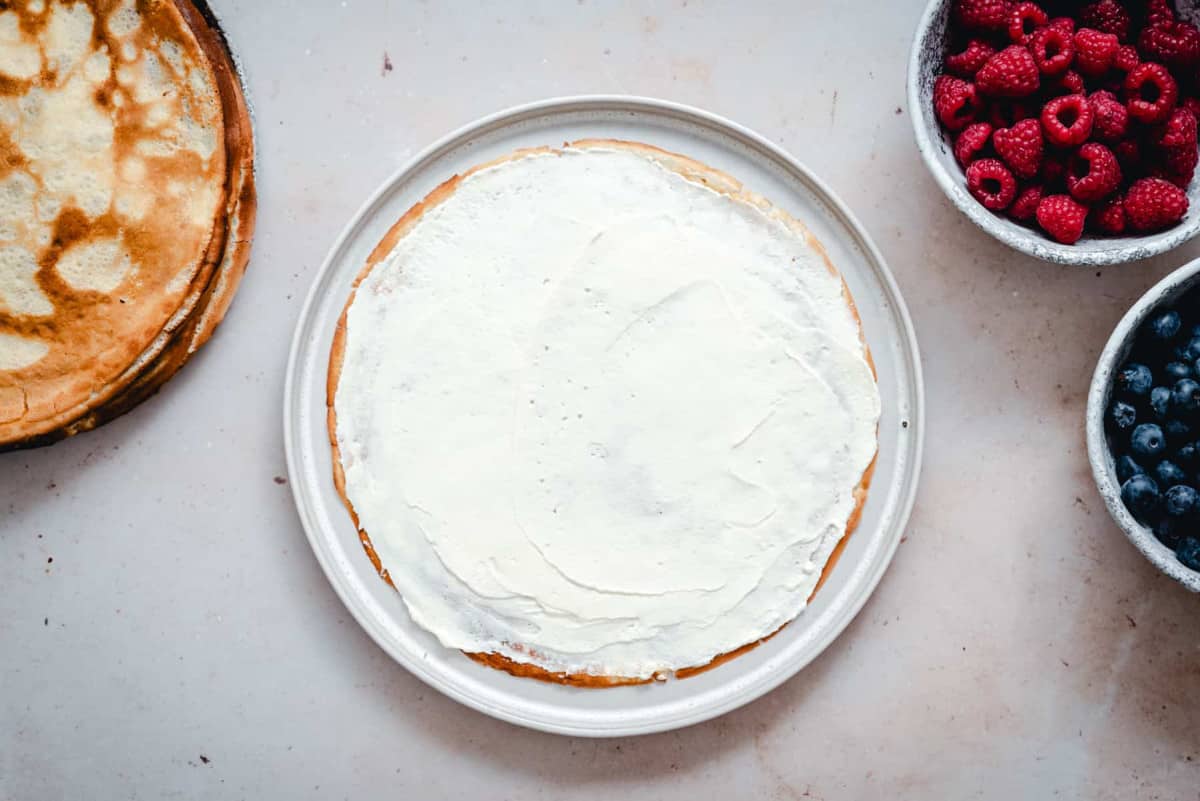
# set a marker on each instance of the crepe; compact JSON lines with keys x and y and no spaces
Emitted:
{"x":126,"y":205}
{"x":531,"y":664}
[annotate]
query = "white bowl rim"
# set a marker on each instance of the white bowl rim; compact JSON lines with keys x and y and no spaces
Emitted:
{"x":1103,"y":469}
{"x":1025,"y":240}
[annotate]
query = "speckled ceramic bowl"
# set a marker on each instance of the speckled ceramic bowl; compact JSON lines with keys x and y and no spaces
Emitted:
{"x":1165,"y":292}
{"x":925,"y":64}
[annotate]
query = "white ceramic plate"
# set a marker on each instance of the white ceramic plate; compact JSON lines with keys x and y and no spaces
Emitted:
{"x":762,"y":168}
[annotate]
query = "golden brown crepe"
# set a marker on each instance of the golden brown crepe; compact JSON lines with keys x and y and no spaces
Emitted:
{"x":126,"y":205}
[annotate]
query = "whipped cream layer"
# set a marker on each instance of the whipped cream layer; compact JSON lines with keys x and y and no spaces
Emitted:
{"x":601,"y":418}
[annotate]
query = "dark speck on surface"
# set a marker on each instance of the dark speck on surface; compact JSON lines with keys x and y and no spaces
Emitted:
{"x":49,"y":560}
{"x":204,"y":759}
{"x":899,"y":110}
{"x":387,"y":65}
{"x":45,"y":621}
{"x":280,"y":480}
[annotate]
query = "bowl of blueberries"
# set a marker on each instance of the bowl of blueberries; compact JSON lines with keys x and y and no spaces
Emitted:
{"x":1143,"y":425}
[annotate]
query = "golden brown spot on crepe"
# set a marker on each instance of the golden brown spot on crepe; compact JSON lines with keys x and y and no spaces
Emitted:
{"x":11,"y":157}
{"x":70,"y":226}
{"x":30,"y":24}
{"x":13,"y":86}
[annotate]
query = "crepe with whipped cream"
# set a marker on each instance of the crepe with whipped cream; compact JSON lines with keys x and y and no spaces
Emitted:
{"x":126,"y":205}
{"x":601,"y":415}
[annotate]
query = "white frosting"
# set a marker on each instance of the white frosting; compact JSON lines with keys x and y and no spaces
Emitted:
{"x":602,"y":418}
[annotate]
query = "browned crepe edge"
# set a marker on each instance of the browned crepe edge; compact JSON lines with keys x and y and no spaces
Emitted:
{"x":77,"y":417}
{"x":217,"y":279}
{"x":241,"y":211}
{"x":690,"y":169}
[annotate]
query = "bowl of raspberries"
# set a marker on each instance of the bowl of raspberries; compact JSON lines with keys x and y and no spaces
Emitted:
{"x":1143,"y":425}
{"x":1067,"y":130}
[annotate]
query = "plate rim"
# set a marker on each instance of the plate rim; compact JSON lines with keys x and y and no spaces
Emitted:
{"x":600,"y":103}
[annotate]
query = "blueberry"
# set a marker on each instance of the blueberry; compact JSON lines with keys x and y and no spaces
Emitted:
{"x":1191,"y":351}
{"x":1160,"y":401}
{"x":1127,"y":468}
{"x":1175,"y":371}
{"x":1167,"y":530}
{"x":1148,"y":440}
{"x":1188,"y":455}
{"x":1168,"y":473}
{"x":1186,"y":395}
{"x":1181,"y":500}
{"x":1122,"y":415}
{"x":1188,"y":552}
{"x":1164,"y":326}
{"x":1136,"y":379}
{"x":1140,"y":495}
{"x":1177,"y":430}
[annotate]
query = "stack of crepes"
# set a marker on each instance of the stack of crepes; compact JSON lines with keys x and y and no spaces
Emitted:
{"x":126,"y":205}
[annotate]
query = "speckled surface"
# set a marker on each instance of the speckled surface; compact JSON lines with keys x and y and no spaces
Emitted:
{"x":1018,"y":647}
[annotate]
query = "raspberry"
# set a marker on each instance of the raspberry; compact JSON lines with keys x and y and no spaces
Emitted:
{"x":1176,"y":44}
{"x":1069,"y":83}
{"x":1112,"y":118}
{"x":1005,"y":114}
{"x":1062,"y":217}
{"x":1127,"y":58}
{"x":1095,"y":51}
{"x":1109,"y":216}
{"x":1020,"y":147}
{"x":1064,"y":24}
{"x":991,"y":183}
{"x":971,"y":142}
{"x":1024,"y":208}
{"x":955,"y":102}
{"x":1177,"y":142}
{"x":968,"y":62}
{"x":1180,"y":131}
{"x":1010,"y":73}
{"x":1023,"y":20}
{"x":1159,"y":11}
{"x":1067,"y":120}
{"x":1094,"y":173}
{"x":1152,"y":203}
{"x":984,"y":15}
{"x":1107,"y":16}
{"x":1053,"y":50}
{"x":1152,"y":92}
{"x":1191,"y":104}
